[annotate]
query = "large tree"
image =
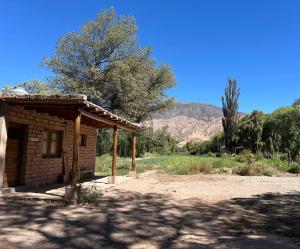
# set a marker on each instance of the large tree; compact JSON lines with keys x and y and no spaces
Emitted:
{"x":230,"y":106}
{"x":249,"y":134}
{"x":104,"y":61}
{"x":296,"y":102}
{"x":282,"y":128}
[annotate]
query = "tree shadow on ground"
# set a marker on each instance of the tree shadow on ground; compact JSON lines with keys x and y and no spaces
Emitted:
{"x":133,"y":220}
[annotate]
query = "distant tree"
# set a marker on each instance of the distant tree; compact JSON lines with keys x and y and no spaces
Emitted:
{"x":296,"y":102}
{"x":34,"y":87}
{"x":249,"y":134}
{"x":277,"y":132}
{"x":159,"y":141}
{"x":162,"y":142}
{"x":204,"y":147}
{"x":105,"y":62}
{"x":104,"y":141}
{"x":282,"y":127}
{"x":230,"y":106}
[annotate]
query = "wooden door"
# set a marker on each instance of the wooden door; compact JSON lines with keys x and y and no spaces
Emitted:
{"x":13,"y":156}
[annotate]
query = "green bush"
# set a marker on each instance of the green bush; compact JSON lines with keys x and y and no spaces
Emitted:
{"x":255,"y":169}
{"x":294,"y":168}
{"x":245,"y":157}
{"x":259,"y":156}
{"x":276,"y":162}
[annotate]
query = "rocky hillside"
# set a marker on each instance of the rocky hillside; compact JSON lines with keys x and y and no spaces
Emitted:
{"x":189,"y":121}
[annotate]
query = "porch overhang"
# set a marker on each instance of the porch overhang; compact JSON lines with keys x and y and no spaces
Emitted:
{"x":67,"y":107}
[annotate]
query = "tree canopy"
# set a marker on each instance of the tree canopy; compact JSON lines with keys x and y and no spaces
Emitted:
{"x":104,"y":61}
{"x":250,"y":129}
{"x":283,"y":127}
{"x":296,"y":102}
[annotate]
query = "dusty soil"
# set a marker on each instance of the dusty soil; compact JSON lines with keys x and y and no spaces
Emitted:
{"x":209,"y":188}
{"x":158,"y":211}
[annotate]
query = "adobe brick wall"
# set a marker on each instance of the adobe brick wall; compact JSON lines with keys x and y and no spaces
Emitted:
{"x":36,"y":170}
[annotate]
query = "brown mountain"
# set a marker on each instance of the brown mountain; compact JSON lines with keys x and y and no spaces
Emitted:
{"x":189,"y":121}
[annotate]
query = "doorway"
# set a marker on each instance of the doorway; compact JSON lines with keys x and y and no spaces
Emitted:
{"x":13,"y":156}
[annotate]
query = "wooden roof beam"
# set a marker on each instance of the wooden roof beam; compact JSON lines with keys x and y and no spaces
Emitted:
{"x":104,"y":120}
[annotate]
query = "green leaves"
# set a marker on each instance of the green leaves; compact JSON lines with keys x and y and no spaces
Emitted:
{"x":104,"y":61}
{"x":250,"y":130}
{"x":230,"y":107}
{"x":296,"y":102}
{"x":283,"y":126}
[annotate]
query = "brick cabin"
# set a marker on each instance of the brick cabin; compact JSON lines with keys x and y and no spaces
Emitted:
{"x":38,"y":133}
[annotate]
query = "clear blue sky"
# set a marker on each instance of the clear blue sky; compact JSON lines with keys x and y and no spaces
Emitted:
{"x":205,"y":42}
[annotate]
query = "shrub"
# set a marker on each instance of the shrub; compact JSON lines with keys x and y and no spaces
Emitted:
{"x":89,"y":195}
{"x":283,"y":156}
{"x":218,"y":154}
{"x":255,"y":169}
{"x":211,"y":154}
{"x":294,"y":168}
{"x":277,"y":163}
{"x":260,"y":156}
{"x":204,"y":168}
{"x":245,"y":156}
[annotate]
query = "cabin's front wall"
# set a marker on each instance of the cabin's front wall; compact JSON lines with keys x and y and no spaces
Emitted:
{"x":35,"y":170}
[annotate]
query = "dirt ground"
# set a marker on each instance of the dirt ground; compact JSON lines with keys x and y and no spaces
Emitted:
{"x":158,"y":211}
{"x":210,"y":188}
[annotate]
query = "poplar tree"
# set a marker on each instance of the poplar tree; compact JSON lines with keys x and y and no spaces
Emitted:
{"x":230,"y":106}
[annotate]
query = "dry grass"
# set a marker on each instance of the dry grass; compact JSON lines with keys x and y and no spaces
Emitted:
{"x":256,"y":169}
{"x":187,"y":165}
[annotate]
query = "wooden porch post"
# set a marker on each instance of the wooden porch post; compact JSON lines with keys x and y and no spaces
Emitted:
{"x":133,"y":166}
{"x":3,"y":140}
{"x":71,"y":193}
{"x":114,"y":160}
{"x":75,"y":151}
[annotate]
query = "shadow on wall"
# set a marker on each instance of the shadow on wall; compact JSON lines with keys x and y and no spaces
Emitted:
{"x":133,"y":220}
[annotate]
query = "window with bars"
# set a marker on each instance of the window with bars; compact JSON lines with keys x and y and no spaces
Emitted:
{"x":52,"y":143}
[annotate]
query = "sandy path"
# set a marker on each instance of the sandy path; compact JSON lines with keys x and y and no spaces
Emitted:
{"x":158,"y":211}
